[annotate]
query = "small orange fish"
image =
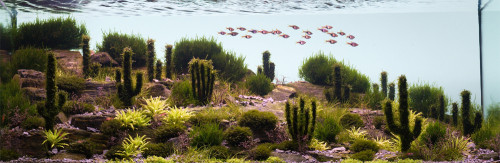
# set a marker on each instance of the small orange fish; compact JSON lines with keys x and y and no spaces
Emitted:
{"x":276,"y":32}
{"x":308,"y":32}
{"x":333,"y":34}
{"x":233,"y":33}
{"x":341,"y":33}
{"x":350,"y":37}
{"x":247,"y":36}
{"x":222,"y":33}
{"x":230,"y":29}
{"x":264,"y":32}
{"x":241,"y":28}
{"x":353,"y":44}
{"x":301,"y":42}
{"x":323,"y":30}
{"x":331,"y":41}
{"x":294,"y":27}
{"x":253,"y":31}
{"x":327,"y":27}
{"x":307,"y":36}
{"x":285,"y":36}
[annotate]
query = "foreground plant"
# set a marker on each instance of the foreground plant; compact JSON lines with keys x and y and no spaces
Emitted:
{"x":55,"y":138}
{"x":403,"y":127}
{"x":126,"y":90}
{"x":177,"y":116}
{"x":154,"y":106}
{"x":301,"y":123}
{"x":133,"y":146}
{"x":468,"y":126}
{"x":132,"y":118}
{"x":202,"y":79}
{"x":50,"y":109}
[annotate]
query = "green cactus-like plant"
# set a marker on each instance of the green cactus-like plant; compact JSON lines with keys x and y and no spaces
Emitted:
{"x":454,"y":113}
{"x":259,"y":69}
{"x":434,"y":112}
{"x":392,"y":91}
{"x":151,"y":59}
{"x":441,"y":108}
{"x":403,"y":127}
{"x":86,"y":55}
{"x":159,"y":64}
{"x":383,"y":82}
{"x":301,"y":121}
{"x":347,"y":93}
{"x":202,"y":79}
{"x":126,"y":91}
{"x":168,"y":61}
{"x":468,"y":127}
{"x":268,"y":66}
{"x":337,"y":82}
{"x":51,"y":109}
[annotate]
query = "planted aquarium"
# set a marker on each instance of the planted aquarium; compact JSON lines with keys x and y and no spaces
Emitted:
{"x":249,"y":81}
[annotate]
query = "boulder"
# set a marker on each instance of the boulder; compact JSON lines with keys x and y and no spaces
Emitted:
{"x":157,"y":90}
{"x":70,"y":61}
{"x":84,"y":121}
{"x":94,"y":90}
{"x":34,"y":94}
{"x":104,"y":59}
{"x":31,"y":78}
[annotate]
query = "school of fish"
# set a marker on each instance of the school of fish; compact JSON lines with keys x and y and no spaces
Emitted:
{"x":327,"y":29}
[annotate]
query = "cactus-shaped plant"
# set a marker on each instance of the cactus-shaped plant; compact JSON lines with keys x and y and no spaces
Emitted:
{"x":126,"y":90}
{"x":347,"y":93}
{"x":268,"y":66}
{"x":403,"y":127}
{"x":434,"y":112}
{"x":202,"y":79}
{"x":392,"y":91}
{"x":151,"y":59}
{"x":468,"y":127}
{"x":454,"y":113}
{"x":168,"y":61}
{"x":301,"y":121}
{"x":259,"y":69}
{"x":159,"y":64}
{"x":441,"y":108}
{"x":86,"y":55}
{"x":337,"y":82}
{"x":50,"y":109}
{"x":383,"y":82}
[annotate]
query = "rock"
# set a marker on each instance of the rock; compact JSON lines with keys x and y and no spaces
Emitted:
{"x":94,"y":90}
{"x":31,"y":78}
{"x":84,"y":121}
{"x":68,"y":156}
{"x":289,"y":157}
{"x":157,"y":90}
{"x":489,"y":156}
{"x":62,"y":117}
{"x":69,"y":61}
{"x":54,"y":151}
{"x":92,"y":129}
{"x":224,"y":124}
{"x":104,"y":59}
{"x":338,"y":149}
{"x":34,"y":94}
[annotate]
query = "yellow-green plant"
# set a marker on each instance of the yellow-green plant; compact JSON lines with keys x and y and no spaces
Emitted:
{"x":156,"y":159}
{"x":133,"y":146}
{"x":318,"y":145}
{"x":384,"y":144}
{"x":154,"y":106}
{"x":55,"y":138}
{"x":356,"y":133}
{"x":177,"y":116}
{"x":132,"y":118}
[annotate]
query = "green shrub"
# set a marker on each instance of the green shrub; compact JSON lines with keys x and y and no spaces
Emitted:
{"x":160,"y":149}
{"x":166,"y":132}
{"x":374,"y":98}
{"x":351,"y":120}
{"x":177,"y":116}
{"x":366,"y":155}
{"x":156,"y":159}
{"x":29,"y":58}
{"x":111,"y":127}
{"x":33,"y":122}
{"x":7,"y":155}
{"x":274,"y":159}
{"x":259,"y":84}
{"x":318,"y":69}
{"x":113,"y":152}
{"x":258,"y":121}
{"x":54,"y":33}
{"x":236,"y":135}
{"x":187,"y":49}
{"x":82,"y":147}
{"x":423,"y":96}
{"x":261,"y":152}
{"x":7,"y":39}
{"x":181,"y":94}
{"x":206,"y":135}
{"x":364,"y":144}
{"x":434,"y":133}
{"x":71,"y":84}
{"x":114,"y":42}
{"x":214,"y":116}
{"x":288,"y":145}
{"x":327,"y":128}
{"x":379,"y":121}
{"x":76,"y":107}
{"x":11,"y":99}
{"x":219,"y":152}
{"x":230,"y":66}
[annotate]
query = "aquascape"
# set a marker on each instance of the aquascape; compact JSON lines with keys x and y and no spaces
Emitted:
{"x":249,"y":81}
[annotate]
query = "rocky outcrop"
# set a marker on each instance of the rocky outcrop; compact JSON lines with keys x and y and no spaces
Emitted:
{"x":34,"y":94}
{"x":157,"y":90}
{"x":85,"y":121}
{"x":94,"y":90}
{"x":104,"y":59}
{"x":70,"y":61}
{"x":31,"y":78}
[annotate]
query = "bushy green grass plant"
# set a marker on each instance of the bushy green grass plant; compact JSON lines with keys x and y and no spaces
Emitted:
{"x":132,"y":118}
{"x":114,"y":42}
{"x":259,"y":84}
{"x":206,"y":135}
{"x":55,"y":138}
{"x":424,"y":95}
